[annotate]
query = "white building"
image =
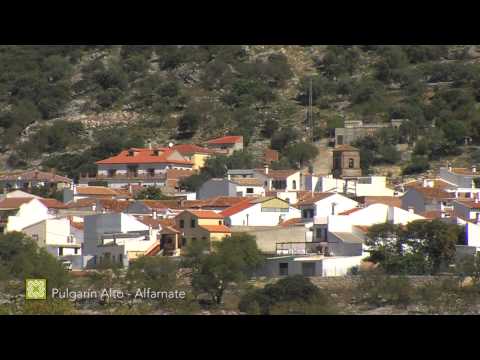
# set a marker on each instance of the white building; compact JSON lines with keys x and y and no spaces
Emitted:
{"x":345,"y":234}
{"x":118,"y":237}
{"x":362,"y":186}
{"x":321,"y":205}
{"x":260,"y":212}
{"x":56,"y":236}
{"x":18,"y":213}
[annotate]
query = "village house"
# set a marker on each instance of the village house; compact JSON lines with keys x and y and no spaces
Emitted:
{"x":344,"y":234}
{"x":226,"y":144}
{"x":56,"y":236}
{"x":118,"y":238}
{"x":232,"y":186}
{"x":139,"y":166}
{"x":424,"y":197}
{"x":18,"y":213}
{"x":466,"y":180}
{"x":468,"y":210}
{"x":196,"y":154}
{"x":321,"y":205}
{"x":33,"y":179}
{"x":259,"y":212}
{"x":94,"y":192}
{"x":201,"y":225}
{"x":359,"y":187}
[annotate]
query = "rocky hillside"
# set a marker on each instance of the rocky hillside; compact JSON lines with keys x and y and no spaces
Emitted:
{"x":62,"y":105}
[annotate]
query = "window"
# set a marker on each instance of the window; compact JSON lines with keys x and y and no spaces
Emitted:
{"x":35,"y":237}
{"x":283,"y":269}
{"x":112,"y":172}
{"x":76,"y":251}
{"x":308,"y":269}
{"x":151,"y":172}
{"x":60,"y":251}
{"x":249,"y":190}
{"x":120,"y":258}
{"x":340,"y":140}
{"x":294,"y":185}
{"x":351,"y":163}
{"x":184,"y":242}
{"x":182,"y":224}
{"x":193,"y":224}
{"x":194,"y":239}
{"x":220,"y":222}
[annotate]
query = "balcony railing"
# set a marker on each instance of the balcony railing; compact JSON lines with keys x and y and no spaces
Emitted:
{"x":304,"y":248}
{"x":124,"y":177}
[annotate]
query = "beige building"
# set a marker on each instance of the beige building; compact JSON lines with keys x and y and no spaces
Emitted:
{"x":201,"y":225}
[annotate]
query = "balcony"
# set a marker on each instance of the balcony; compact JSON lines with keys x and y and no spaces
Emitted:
{"x":127,"y":177}
{"x":301,"y":248}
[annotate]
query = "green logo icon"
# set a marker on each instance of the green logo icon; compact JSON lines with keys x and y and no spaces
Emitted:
{"x":36,"y":289}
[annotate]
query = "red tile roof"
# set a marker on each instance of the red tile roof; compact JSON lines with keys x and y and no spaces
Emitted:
{"x":53,"y":204}
{"x":188,"y":149}
{"x":433,"y":193}
{"x":270,"y":155}
{"x":292,"y":222}
{"x":78,"y":225}
{"x":144,"y":156}
{"x":387,"y":200}
{"x":216,"y":228}
{"x":15,"y":203}
{"x":97,"y":190}
{"x":345,"y":148}
{"x":313,"y":198}
{"x":235,"y":209}
{"x":226,"y":140}
{"x":177,"y":174}
{"x":351,"y":211}
{"x":35,"y":175}
{"x":205,"y":214}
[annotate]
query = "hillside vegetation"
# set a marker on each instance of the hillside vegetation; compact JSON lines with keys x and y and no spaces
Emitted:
{"x":65,"y":106}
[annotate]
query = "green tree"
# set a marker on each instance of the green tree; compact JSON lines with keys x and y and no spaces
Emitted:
{"x":21,"y":258}
{"x":292,"y":291}
{"x":155,"y":272}
{"x":233,"y":260}
{"x":151,"y":193}
{"x":301,"y":153}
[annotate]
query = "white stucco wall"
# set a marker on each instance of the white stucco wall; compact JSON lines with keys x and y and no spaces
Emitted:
{"x":254,"y":216}
{"x":28,"y":214}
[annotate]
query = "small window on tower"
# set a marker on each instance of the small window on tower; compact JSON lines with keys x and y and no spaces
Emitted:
{"x":351,"y":163}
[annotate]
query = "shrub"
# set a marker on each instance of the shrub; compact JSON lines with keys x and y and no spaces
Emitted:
{"x":294,"y":294}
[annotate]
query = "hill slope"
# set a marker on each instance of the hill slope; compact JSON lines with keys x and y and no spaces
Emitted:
{"x":65,"y":106}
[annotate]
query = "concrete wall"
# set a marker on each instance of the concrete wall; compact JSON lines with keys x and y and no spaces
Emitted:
{"x":28,"y":214}
{"x":331,"y":267}
{"x":267,"y":238}
{"x":254,"y":216}
{"x":216,"y":187}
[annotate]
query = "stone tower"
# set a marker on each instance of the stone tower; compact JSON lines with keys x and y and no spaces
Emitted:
{"x":346,"y":162}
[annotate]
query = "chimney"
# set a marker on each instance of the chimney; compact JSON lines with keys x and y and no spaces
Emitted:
{"x":229,"y":176}
{"x":449,"y":166}
{"x":266,"y":169}
{"x":425,"y":183}
{"x":411,"y":210}
{"x":154,"y":214}
{"x":149,"y":145}
{"x":474,"y":169}
{"x":333,"y":208}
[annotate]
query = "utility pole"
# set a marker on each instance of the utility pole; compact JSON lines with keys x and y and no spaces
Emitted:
{"x":311,"y":110}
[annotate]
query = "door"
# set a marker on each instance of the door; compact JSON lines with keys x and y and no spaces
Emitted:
{"x":308,"y":269}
